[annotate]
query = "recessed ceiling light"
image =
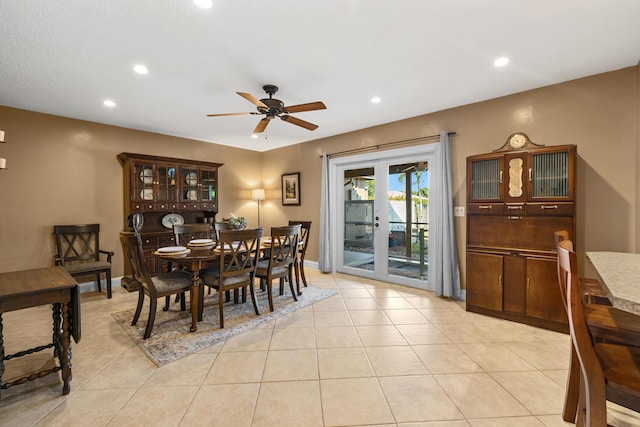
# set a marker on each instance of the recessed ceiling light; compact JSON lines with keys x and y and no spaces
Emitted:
{"x":141,"y":69}
{"x":254,"y":136}
{"x":376,"y":99}
{"x":109,"y":103}
{"x":205,"y":4}
{"x":501,"y":62}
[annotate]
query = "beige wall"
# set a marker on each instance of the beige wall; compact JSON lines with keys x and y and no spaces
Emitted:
{"x":65,"y":171}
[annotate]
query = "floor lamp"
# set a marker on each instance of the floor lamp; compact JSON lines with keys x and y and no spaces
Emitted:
{"x":258,"y":195}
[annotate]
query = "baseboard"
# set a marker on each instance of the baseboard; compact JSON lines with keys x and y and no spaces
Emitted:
{"x":92,"y":286}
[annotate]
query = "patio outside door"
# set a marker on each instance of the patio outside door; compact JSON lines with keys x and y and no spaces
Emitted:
{"x":382,"y":210}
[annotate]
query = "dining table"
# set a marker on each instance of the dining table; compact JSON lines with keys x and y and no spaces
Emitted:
{"x":619,"y":273}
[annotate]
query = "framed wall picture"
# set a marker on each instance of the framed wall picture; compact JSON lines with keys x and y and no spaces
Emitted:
{"x":291,"y":188}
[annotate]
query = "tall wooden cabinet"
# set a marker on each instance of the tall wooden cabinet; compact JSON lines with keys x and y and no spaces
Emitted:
{"x":159,"y":186}
{"x":517,"y":196}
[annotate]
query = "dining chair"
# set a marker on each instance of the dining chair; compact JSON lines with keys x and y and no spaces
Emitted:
{"x":162,"y":285}
{"x":591,"y":289}
{"x":607,"y":371}
{"x":282,"y":255}
{"x":305,"y":227}
{"x":219,"y":226}
{"x":605,"y":324}
{"x":184,"y":233}
{"x":79,"y":252}
{"x":239,"y":251}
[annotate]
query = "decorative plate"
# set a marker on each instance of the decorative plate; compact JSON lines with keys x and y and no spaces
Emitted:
{"x":191,"y":178}
{"x":146,"y":194}
{"x":146,"y":176}
{"x":169,"y":220}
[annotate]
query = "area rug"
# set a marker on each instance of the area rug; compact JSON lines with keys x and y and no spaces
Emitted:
{"x":171,"y":340}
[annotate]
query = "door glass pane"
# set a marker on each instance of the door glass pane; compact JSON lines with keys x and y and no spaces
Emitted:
{"x":408,"y":202}
{"x":359,"y":189}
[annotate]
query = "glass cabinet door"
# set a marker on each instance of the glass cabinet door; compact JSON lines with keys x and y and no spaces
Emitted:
{"x":167,"y":184}
{"x":207,"y":185}
{"x":549,"y":175}
{"x":486,"y":179}
{"x":189,"y":184}
{"x":143,"y":180}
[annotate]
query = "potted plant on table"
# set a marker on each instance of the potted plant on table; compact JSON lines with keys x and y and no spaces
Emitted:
{"x":237,"y":222}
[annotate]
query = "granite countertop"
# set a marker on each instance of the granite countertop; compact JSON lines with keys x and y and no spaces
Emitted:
{"x":619,"y":273}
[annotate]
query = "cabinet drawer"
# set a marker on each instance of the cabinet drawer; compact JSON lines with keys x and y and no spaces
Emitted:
{"x":515,"y":209}
{"x":485,"y":208}
{"x":167,"y":241}
{"x":560,"y":208}
{"x":149,"y":243}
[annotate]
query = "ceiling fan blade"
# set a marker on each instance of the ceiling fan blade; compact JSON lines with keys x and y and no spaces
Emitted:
{"x":311,"y":106}
{"x":262,"y":125}
{"x":252,"y":99}
{"x":227,"y":114}
{"x":296,"y":121}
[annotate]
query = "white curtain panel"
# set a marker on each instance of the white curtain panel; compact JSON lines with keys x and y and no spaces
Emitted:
{"x":324,"y":247}
{"x":444,"y":271}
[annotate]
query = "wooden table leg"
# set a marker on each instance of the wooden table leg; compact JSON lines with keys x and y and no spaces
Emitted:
{"x":195,"y":296}
{"x":65,"y":349}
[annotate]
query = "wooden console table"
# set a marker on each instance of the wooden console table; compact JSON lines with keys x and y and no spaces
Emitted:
{"x":30,"y":288}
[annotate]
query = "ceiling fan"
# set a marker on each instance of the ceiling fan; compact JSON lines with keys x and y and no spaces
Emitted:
{"x":272,"y":108}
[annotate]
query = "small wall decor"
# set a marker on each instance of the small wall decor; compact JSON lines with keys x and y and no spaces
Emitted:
{"x":291,"y":188}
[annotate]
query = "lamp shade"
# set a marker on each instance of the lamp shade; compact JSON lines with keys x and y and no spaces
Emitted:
{"x":258,"y":194}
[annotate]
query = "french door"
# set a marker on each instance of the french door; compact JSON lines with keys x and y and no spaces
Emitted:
{"x":381,"y":211}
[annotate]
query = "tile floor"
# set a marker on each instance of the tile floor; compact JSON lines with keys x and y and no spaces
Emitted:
{"x":376,"y":354}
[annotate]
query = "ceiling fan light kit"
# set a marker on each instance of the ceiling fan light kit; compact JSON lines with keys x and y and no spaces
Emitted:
{"x":272,"y":108}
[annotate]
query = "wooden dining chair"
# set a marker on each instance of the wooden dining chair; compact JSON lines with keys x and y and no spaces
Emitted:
{"x":305,"y":227}
{"x":279,"y":264}
{"x":605,"y":324}
{"x":239,"y":251}
{"x":591,"y":289}
{"x":80,"y":254}
{"x":184,"y":233}
{"x":163,"y":285}
{"x":219,"y":226}
{"x":607,"y":371}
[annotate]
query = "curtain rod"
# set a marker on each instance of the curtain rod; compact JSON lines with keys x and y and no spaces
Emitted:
{"x":376,"y":147}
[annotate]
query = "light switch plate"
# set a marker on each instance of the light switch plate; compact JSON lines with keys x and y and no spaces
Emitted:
{"x":458,"y":211}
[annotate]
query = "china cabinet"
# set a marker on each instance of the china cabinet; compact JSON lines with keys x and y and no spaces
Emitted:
{"x":165,"y":191}
{"x":517,"y":196}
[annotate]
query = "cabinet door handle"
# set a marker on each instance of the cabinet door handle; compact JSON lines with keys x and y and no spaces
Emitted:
{"x":485,"y":207}
{"x":513,"y":217}
{"x":500,"y":281}
{"x":529,"y":174}
{"x":528,"y":284}
{"x":500,"y":177}
{"x":549,"y":207}
{"x":514,"y":207}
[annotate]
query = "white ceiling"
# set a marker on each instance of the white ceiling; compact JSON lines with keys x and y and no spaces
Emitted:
{"x":65,"y":57}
